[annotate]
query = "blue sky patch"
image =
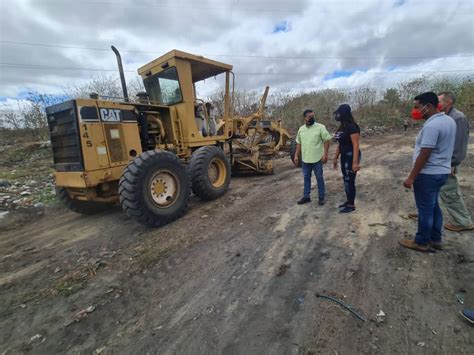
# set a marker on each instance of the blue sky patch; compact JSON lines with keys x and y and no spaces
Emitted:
{"x":399,"y":3}
{"x":339,"y":74}
{"x":284,"y":26}
{"x":23,"y":95}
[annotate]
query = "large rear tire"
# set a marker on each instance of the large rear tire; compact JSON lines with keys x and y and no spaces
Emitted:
{"x":293,"y":153}
{"x":209,"y":169}
{"x":154,"y":188}
{"x":81,"y":207}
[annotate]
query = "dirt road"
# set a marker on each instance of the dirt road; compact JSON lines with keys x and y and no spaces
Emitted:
{"x":240,"y":275}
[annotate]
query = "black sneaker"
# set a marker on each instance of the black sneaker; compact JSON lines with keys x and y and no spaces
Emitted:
{"x":303,"y":200}
{"x":343,"y":205}
{"x":321,"y":202}
{"x":347,"y":210}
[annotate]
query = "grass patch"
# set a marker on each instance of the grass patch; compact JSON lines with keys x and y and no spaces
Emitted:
{"x":72,"y":282}
{"x":47,"y":196}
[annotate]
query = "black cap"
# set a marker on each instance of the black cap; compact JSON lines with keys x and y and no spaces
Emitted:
{"x":344,"y":108}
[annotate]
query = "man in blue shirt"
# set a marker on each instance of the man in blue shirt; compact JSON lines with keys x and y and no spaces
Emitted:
{"x":431,"y":168}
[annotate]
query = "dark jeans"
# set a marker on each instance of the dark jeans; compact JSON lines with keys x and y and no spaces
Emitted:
{"x":349,"y":176}
{"x":318,"y":171}
{"x":430,"y":219}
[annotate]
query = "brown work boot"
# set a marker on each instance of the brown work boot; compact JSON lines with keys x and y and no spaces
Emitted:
{"x":411,"y":244}
{"x":455,"y":228}
{"x":413,"y":216}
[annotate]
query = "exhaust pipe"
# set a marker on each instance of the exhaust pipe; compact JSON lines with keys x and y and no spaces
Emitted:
{"x":122,"y":75}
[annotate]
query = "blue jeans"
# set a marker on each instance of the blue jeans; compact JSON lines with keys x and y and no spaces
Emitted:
{"x":318,"y":171}
{"x":430,"y":219}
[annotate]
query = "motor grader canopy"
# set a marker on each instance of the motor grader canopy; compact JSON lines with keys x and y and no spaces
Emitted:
{"x":201,"y":68}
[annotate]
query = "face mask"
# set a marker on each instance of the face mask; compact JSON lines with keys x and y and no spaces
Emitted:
{"x":310,"y":122}
{"x":337,"y":117}
{"x":417,"y":114}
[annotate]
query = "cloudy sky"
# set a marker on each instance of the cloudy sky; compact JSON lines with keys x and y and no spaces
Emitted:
{"x":293,"y":45}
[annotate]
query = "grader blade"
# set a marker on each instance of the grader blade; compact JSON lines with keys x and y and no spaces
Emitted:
{"x":257,"y":140}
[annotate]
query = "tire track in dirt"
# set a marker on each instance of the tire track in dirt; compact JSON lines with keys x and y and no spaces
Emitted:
{"x":211,"y":285}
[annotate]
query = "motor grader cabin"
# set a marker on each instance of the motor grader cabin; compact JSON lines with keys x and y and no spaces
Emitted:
{"x":149,"y":154}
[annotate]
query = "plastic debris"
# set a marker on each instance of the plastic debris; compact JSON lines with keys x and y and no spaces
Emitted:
{"x":380,"y":317}
{"x":37,"y":337}
{"x":460,"y":297}
{"x":83,"y":313}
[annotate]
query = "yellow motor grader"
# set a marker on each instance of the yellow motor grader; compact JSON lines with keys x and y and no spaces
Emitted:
{"x":149,"y":153}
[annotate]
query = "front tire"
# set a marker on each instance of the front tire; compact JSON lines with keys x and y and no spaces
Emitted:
{"x":154,"y":188}
{"x":209,"y":169}
{"x":293,"y":153}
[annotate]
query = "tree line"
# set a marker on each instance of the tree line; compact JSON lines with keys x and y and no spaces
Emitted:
{"x":372,"y":107}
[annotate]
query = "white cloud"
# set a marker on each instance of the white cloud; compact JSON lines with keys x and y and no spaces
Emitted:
{"x":366,"y":37}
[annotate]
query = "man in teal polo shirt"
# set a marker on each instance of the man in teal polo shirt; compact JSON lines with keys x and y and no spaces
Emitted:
{"x":313,"y":144}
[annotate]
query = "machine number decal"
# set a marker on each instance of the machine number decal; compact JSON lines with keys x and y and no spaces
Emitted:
{"x":86,"y":135}
{"x":110,"y":115}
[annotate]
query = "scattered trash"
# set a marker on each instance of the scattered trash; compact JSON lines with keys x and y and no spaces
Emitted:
{"x":5,"y":183}
{"x":23,"y":306}
{"x":282,"y":269}
{"x":99,"y":350}
{"x":108,"y":254}
{"x":346,"y":306}
{"x":58,"y":269}
{"x":460,"y":297}
{"x":380,"y":317}
{"x":36,"y":337}
{"x":83,"y":313}
{"x":300,"y":300}
{"x":434,"y":332}
{"x":204,"y":216}
{"x":421,"y":344}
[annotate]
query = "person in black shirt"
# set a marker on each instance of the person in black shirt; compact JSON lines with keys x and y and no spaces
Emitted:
{"x":348,"y":136}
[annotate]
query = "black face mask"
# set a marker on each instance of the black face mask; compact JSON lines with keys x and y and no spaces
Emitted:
{"x":310,"y":122}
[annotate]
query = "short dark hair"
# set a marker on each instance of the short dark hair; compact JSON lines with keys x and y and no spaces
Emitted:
{"x":449,"y":94}
{"x":305,"y":112}
{"x":428,"y":98}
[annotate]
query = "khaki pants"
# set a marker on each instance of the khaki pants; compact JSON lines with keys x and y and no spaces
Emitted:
{"x":453,"y":201}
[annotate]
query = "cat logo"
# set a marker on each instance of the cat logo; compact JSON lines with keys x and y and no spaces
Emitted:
{"x":110,"y":115}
